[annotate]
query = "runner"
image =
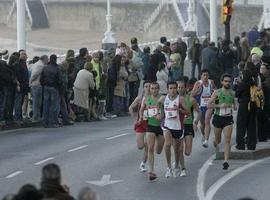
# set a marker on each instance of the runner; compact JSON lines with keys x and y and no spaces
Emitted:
{"x":189,"y":122}
{"x":154,"y":132}
{"x":173,"y":106}
{"x":202,"y":91}
{"x":223,"y":102}
{"x":140,"y":126}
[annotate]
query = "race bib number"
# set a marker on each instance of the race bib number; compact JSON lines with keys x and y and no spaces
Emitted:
{"x":205,"y":100}
{"x":152,"y":112}
{"x":145,"y":114}
{"x":171,"y":114}
{"x":225,"y":111}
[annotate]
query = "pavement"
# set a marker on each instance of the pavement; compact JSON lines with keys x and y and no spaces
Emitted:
{"x":103,"y":155}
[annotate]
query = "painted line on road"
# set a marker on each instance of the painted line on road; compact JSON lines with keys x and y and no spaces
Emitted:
{"x":201,"y":177}
{"x":14,"y":174}
{"x":77,"y":148}
{"x":44,"y":160}
{"x":117,"y":136}
{"x":219,"y":183}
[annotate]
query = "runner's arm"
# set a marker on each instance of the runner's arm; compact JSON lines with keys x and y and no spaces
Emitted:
{"x":211,"y":102}
{"x":213,"y":85}
{"x":161,"y":106}
{"x":196,"y":89}
{"x":184,"y":110}
{"x":197,"y":109}
{"x":143,"y":106}
{"x":133,"y":105}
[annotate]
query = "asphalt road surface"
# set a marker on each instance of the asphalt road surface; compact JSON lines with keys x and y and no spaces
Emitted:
{"x":103,"y":156}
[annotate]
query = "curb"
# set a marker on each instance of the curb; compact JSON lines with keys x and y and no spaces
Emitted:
{"x":262,"y":151}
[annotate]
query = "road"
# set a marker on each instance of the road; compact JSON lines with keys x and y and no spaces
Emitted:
{"x":86,"y":152}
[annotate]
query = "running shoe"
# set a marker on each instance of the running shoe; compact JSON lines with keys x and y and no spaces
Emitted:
{"x":225,"y":165}
{"x":177,"y":172}
{"x":152,"y":176}
{"x":183,"y":172}
{"x":205,"y":143}
{"x":142,"y":167}
{"x":168,"y":173}
{"x":101,"y":117}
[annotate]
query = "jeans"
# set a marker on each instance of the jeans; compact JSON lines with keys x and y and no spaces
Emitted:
{"x":118,"y":105}
{"x":133,"y":90}
{"x":2,"y":103}
{"x":194,"y":68}
{"x":110,"y":92}
{"x":9,"y":104}
{"x":18,"y":106}
{"x":37,"y":100}
{"x":50,"y":106}
{"x":64,"y":108}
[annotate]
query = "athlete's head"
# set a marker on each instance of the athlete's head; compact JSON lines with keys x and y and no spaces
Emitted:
{"x":226,"y":80}
{"x":181,"y":87}
{"x":154,"y":88}
{"x":146,"y":87}
{"x":172,"y":88}
{"x":204,"y":75}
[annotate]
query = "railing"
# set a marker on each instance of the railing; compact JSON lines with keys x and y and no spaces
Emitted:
{"x":154,"y":15}
{"x":179,"y":16}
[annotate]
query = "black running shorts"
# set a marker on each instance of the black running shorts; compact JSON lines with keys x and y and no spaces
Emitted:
{"x":222,"y":121}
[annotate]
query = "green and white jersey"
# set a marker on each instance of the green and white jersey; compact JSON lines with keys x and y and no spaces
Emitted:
{"x":228,"y":99}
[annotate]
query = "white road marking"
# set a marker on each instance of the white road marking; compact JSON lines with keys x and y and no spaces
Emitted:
{"x":218,"y":184}
{"x":117,"y":136}
{"x":105,"y":180}
{"x":78,"y":148}
{"x":44,"y":160}
{"x":201,"y":178}
{"x":14,"y":174}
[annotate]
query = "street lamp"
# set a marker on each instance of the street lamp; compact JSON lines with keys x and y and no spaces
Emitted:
{"x":21,"y":38}
{"x":108,"y":40}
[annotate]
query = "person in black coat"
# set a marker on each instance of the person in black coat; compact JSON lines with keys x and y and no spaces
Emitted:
{"x":246,"y":120}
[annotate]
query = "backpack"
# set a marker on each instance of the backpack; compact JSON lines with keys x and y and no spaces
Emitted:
{"x":256,"y":99}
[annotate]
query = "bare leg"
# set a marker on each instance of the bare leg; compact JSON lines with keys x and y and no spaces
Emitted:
{"x":141,"y":144}
{"x":207,"y":128}
{"x":188,"y":144}
{"x":159,"y":144}
{"x":227,"y":141}
{"x":151,"y":137}
{"x":168,"y":143}
{"x":178,"y":152}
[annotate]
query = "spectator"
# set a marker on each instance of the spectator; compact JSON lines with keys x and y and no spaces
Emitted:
{"x":36,"y":88}
{"x":23,"y":78}
{"x":28,"y":192}
{"x":119,"y":90}
{"x":253,"y":36}
{"x":81,"y":59}
{"x":175,"y":68}
{"x":146,"y":61}
{"x":162,"y":78}
{"x":245,"y":119}
{"x":111,"y":83}
{"x":82,"y":85}
{"x":51,"y":81}
{"x":195,"y":55}
{"x":50,"y":185}
{"x":226,"y":57}
{"x":258,"y":48}
{"x":244,"y":47}
{"x":87,"y":194}
{"x":183,"y":53}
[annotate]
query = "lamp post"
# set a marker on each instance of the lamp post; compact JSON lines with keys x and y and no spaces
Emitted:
{"x":21,"y":35}
{"x":190,"y":25}
{"x":108,"y":40}
{"x":213,"y":21}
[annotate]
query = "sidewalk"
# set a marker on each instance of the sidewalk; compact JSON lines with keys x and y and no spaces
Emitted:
{"x":262,"y":151}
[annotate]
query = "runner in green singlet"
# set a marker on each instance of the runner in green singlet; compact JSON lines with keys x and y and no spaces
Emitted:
{"x":223,"y":102}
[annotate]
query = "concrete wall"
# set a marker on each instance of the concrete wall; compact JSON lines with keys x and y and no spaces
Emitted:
{"x":128,"y":18}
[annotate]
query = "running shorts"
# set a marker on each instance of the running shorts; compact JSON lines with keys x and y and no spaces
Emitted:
{"x":140,"y":127}
{"x":188,"y":130}
{"x":176,"y":134}
{"x":155,"y":129}
{"x":222,"y":121}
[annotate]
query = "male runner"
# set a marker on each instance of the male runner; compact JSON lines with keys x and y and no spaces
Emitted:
{"x":223,"y":102}
{"x":173,"y":106}
{"x":202,"y":91}
{"x":154,"y":132}
{"x":141,"y":126}
{"x":189,"y":123}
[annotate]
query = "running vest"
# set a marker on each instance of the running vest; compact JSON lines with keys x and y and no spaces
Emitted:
{"x":145,"y":113}
{"x":188,"y":118}
{"x":223,"y":98}
{"x":152,"y":110}
{"x":172,"y":115}
{"x":205,"y":93}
